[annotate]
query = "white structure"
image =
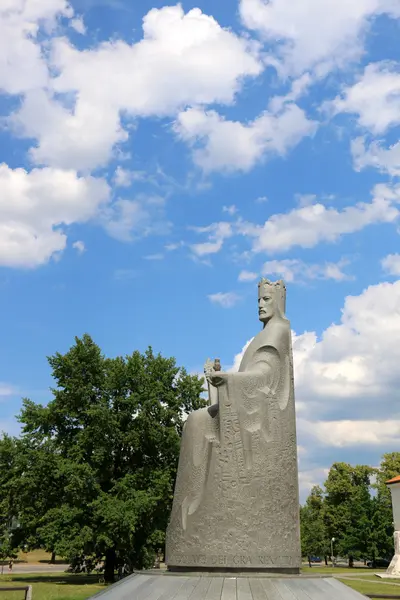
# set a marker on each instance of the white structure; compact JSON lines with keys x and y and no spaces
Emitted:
{"x":394,"y":486}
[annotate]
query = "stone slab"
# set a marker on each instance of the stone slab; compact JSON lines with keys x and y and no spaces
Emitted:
{"x":220,"y":587}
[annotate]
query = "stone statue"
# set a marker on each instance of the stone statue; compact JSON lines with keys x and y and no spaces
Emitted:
{"x":236,"y":503}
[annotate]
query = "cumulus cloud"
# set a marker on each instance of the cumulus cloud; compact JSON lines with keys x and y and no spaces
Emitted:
{"x":7,"y":390}
{"x":223,"y":145}
{"x":310,"y":225}
{"x":294,"y":269}
{"x":22,"y":65}
{"x":391,"y":264}
{"x":231,"y":210}
{"x":36,"y":206}
{"x":217,"y":234}
{"x":385,"y":160}
{"x":74,"y":114}
{"x":353,"y":363}
{"x":224,"y":299}
{"x":374,"y":98}
{"x":303,"y":38}
{"x":129,"y":219}
{"x":247,"y":276}
{"x":348,"y":433}
{"x":79,"y":246}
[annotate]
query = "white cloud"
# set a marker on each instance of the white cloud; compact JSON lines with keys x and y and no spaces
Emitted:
{"x":81,"y":139}
{"x":174,"y":246}
{"x":262,"y":199}
{"x":126,"y":220}
{"x":78,"y":25}
{"x":238,"y":358}
{"x":183,"y":59}
{"x":304,"y":38}
{"x":217,"y":233}
{"x":222,"y":145}
{"x":391,"y":264}
{"x":35,"y":207}
{"x":231,"y":210}
{"x":226,"y":300}
{"x":386,"y":160}
{"x":375,"y":98}
{"x":247,"y":276}
{"x":312,"y":224}
{"x":293,"y":269}
{"x":22,"y":65}
{"x":79,"y":246}
{"x":354,"y":363}
{"x":7,"y":389}
{"x":353,"y":432}
{"x":308,"y":478}
{"x":124,"y":177}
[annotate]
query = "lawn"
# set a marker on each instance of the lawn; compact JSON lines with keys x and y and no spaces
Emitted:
{"x":370,"y":587}
{"x":354,"y":571}
{"x":52,"y":587}
{"x":37,"y":556}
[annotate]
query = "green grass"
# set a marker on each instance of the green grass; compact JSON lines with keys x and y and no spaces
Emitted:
{"x":52,"y":587}
{"x":342,"y":569}
{"x":369,"y":587}
{"x":37,"y":556}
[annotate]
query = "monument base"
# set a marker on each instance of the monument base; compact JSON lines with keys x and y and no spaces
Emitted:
{"x":393,"y":570}
{"x":147,"y":585}
{"x":235,"y":570}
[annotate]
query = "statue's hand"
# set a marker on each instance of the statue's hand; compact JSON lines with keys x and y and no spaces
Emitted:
{"x":216,"y":378}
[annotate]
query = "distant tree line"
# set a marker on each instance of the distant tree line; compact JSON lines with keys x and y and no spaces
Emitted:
{"x":354,"y":507}
{"x":91,"y":476}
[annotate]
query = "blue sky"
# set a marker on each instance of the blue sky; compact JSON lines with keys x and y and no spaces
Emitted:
{"x":156,"y":159}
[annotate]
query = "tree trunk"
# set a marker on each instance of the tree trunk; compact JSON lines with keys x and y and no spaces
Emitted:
{"x":53,"y":558}
{"x":351,"y":561}
{"x":326,"y":560}
{"x":109,"y":567}
{"x":309,"y":562}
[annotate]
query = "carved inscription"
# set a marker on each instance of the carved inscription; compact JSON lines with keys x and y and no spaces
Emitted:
{"x":237,"y":560}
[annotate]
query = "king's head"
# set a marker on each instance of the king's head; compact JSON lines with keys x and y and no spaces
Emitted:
{"x":271,"y":299}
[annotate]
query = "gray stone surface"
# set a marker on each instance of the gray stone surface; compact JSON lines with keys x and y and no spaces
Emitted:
{"x":175,"y":587}
{"x":236,"y":503}
{"x":394,"y":567}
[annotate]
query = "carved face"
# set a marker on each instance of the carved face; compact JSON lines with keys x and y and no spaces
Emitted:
{"x":266,"y":303}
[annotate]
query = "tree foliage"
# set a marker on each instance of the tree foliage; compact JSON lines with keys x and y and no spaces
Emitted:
{"x":93,"y":473}
{"x":354,"y":508}
{"x":314,"y":537}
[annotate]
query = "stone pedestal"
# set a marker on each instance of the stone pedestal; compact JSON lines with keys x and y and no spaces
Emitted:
{"x":149,"y":586}
{"x":394,"y":567}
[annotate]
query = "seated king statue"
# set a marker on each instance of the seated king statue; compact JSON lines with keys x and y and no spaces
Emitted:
{"x":236,"y":502}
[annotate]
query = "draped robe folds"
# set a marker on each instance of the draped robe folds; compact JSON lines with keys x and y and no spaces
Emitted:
{"x":236,"y":496}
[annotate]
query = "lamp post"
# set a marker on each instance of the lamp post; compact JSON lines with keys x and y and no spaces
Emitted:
{"x":333,"y":562}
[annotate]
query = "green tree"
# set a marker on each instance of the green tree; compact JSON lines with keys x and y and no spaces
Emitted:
{"x":349,"y":509}
{"x":383,"y":514}
{"x":314,"y":540}
{"x":7,"y":473}
{"x":99,"y":461}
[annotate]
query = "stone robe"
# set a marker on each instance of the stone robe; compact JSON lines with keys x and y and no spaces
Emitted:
{"x":236,"y":500}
